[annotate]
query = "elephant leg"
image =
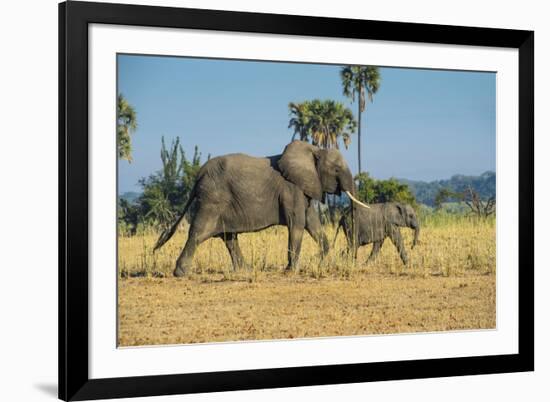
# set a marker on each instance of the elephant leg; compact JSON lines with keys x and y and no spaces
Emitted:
{"x":352,"y":248}
{"x":353,"y":245}
{"x":354,"y":237}
{"x":295,"y":235}
{"x":232,"y":243}
{"x":397,"y":240}
{"x":375,"y":250}
{"x":294,"y":206}
{"x":202,"y":228}
{"x":314,"y":228}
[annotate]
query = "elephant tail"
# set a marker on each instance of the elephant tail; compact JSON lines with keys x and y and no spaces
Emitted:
{"x":169,"y":232}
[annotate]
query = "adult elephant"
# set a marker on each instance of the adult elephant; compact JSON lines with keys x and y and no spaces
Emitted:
{"x":379,"y":222}
{"x":238,"y":193}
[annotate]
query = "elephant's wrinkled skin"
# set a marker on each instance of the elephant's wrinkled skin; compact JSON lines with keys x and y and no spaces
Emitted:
{"x":238,"y":193}
{"x":381,"y":221}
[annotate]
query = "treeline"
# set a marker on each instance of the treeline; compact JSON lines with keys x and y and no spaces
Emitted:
{"x":427,"y":192}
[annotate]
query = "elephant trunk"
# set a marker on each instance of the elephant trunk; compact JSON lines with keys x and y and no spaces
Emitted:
{"x":346,"y":181}
{"x":416,"y":234}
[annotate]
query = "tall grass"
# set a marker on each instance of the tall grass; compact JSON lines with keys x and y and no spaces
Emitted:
{"x":450,"y":245}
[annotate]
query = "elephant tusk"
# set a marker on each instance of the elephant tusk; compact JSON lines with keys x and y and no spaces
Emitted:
{"x":356,"y":200}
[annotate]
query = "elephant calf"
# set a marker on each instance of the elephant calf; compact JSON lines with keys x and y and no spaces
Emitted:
{"x":381,"y":221}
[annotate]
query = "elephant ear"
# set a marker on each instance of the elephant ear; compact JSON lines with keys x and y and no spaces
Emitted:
{"x":392,"y":211}
{"x":400,"y":207}
{"x":402,"y":210}
{"x":298,"y":165}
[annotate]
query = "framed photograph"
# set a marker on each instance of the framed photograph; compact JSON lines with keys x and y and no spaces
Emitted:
{"x":258,"y":201}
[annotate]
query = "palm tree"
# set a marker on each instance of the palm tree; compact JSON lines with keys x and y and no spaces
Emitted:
{"x":300,"y":115}
{"x":322,"y":122}
{"x":363,"y":82}
{"x":330,"y":121}
{"x":126,"y":125}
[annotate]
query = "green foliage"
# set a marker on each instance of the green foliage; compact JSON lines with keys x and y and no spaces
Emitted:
{"x":126,"y":125}
{"x":155,"y":202}
{"x":322,"y":122}
{"x":443,"y":195}
{"x":373,"y":191}
{"x":128,"y":216}
{"x":165,"y":192}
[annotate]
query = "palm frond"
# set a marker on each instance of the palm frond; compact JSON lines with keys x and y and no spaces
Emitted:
{"x":126,"y":125}
{"x":323,"y":122}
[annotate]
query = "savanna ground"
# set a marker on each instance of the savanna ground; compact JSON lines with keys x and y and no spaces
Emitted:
{"x":450,"y":284}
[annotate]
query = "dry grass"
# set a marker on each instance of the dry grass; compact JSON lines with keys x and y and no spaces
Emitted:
{"x":449,"y":284}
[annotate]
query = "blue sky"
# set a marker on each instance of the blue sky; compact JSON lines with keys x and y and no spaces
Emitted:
{"x":422,"y":125}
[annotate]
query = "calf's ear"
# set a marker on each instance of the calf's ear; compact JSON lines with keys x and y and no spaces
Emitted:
{"x":401,"y":216}
{"x":400,"y":208}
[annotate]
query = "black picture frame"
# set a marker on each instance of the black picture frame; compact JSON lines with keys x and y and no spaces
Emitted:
{"x":74,"y":381}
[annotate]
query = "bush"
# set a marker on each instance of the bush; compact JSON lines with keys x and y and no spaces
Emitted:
{"x":374,"y":191}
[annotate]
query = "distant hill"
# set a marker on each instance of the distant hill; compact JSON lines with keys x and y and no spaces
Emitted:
{"x":425,"y":192}
{"x":130,"y":196}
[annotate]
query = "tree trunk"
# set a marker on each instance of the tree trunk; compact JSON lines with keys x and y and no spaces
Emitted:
{"x":359,"y":131}
{"x":354,"y":231}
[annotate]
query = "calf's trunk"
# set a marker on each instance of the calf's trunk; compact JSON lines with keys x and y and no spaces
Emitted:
{"x":416,"y":234}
